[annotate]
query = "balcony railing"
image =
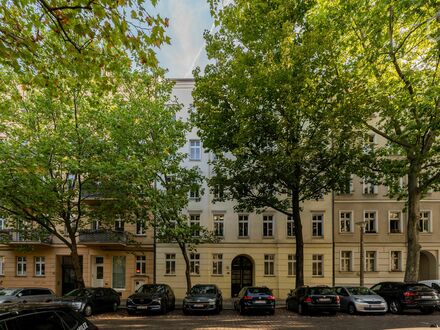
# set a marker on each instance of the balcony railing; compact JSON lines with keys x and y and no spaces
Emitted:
{"x":103,"y":236}
{"x":11,"y":236}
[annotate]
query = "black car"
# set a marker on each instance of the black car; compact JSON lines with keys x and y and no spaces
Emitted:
{"x":203,"y":297}
{"x":91,"y":300}
{"x":152,"y":298}
{"x":254,"y":298}
{"x":401,"y":296}
{"x":307,"y":299}
{"x":42,"y":316}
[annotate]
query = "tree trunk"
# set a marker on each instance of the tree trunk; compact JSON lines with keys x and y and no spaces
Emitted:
{"x":413,"y":246}
{"x":79,"y":280}
{"x":187,"y":266}
{"x":296,"y":213}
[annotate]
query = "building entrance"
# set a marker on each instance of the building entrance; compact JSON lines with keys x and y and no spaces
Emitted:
{"x":241,"y":274}
{"x":68,"y":274}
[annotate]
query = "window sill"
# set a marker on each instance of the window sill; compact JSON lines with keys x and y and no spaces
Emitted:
{"x":318,"y":276}
{"x":290,"y":237}
{"x":268,"y":237}
{"x":20,"y":275}
{"x":265,"y":275}
{"x":139,"y":275}
{"x":140,"y":235}
{"x":317,"y":237}
{"x":217,"y":275}
{"x":39,"y":276}
{"x":243,"y":237}
{"x":170,"y":275}
{"x":346,"y":233}
{"x":396,"y":271}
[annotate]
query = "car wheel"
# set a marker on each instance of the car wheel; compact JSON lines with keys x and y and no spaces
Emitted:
{"x":352,"y":309}
{"x":427,"y":310}
{"x":115,"y":307}
{"x":301,"y":309}
{"x":88,"y":310}
{"x":395,"y":307}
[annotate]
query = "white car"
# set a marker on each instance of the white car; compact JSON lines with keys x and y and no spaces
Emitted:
{"x":12,"y":295}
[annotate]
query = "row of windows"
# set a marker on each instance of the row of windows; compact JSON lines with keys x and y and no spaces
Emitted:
{"x":21,"y":266}
{"x":217,"y":264}
{"x":346,"y":261}
{"x":370,"y":221}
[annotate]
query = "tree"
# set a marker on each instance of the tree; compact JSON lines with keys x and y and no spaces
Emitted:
{"x":263,"y":108}
{"x":76,"y":139}
{"x":388,"y":56}
{"x":172,"y":225}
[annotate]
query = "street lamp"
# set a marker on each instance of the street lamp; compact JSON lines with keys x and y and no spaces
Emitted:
{"x":361,"y":247}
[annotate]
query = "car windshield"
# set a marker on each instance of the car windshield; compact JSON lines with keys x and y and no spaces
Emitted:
{"x":78,"y":293}
{"x":202,"y":289}
{"x":360,"y":291}
{"x":419,"y":288}
{"x":149,"y":289}
{"x":259,"y":291}
{"x":318,"y":291}
{"x":8,"y":292}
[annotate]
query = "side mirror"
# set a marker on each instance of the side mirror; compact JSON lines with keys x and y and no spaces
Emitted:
{"x":20,"y":294}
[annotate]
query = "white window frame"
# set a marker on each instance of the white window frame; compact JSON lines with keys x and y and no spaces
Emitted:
{"x":2,"y":223}
{"x":317,"y":265}
{"x":170,"y":264}
{"x":119,"y":224}
{"x":21,"y":266}
{"x":195,"y":149}
{"x":346,"y":261}
{"x":123,"y":264}
{"x":370,"y":260}
{"x":369,"y":188}
{"x":194,"y":194}
{"x":391,"y":217}
{"x":290,"y":227}
{"x":140,"y":228}
{"x":218,"y":221}
{"x":393,"y":259}
{"x":269,"y":265}
{"x":318,"y":224}
{"x":194,"y":263}
{"x":40,"y":266}
{"x":217,"y":264}
{"x":243,"y":225}
{"x":291,"y":265}
{"x":2,"y":265}
{"x":218,"y":191}
{"x":343,"y":221}
{"x":194,"y":219}
{"x":141,"y":265}
{"x":367,"y":221}
{"x":425,"y":221}
{"x":268,"y":228}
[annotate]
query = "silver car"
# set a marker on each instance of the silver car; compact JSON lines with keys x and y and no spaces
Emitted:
{"x":11,"y":295}
{"x":357,"y":299}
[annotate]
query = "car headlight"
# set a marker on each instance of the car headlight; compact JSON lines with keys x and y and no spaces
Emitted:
{"x":129,"y":301}
{"x":77,"y":304}
{"x":211,"y":301}
{"x":156,"y":301}
{"x":359,"y":300}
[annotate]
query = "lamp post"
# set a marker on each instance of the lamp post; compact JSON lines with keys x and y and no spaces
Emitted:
{"x":362,"y":257}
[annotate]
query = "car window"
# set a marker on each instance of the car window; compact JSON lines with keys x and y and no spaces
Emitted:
{"x":376,"y":287}
{"x":342,"y":291}
{"x":26,"y":292}
{"x":99,"y":293}
{"x":259,"y":291}
{"x":419,"y":287}
{"x":78,"y":293}
{"x":435,"y":286}
{"x":9,"y":292}
{"x":319,"y":291}
{"x":202,"y":289}
{"x":149,"y":289}
{"x":360,"y":291}
{"x":40,"y":291}
{"x":39,"y":321}
{"x":69,"y":319}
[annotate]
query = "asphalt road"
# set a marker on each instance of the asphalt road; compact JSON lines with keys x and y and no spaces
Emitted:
{"x":282,"y":319}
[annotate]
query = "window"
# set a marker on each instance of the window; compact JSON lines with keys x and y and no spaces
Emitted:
{"x":141,"y":263}
{"x":96,"y":224}
{"x":425,"y":222}
{"x":347,"y":185}
{"x":243,"y":225}
{"x":21,"y":266}
{"x":140,"y":227}
{"x":218,"y":224}
{"x":267,"y":226}
{"x":369,"y":143}
{"x":217,"y":264}
{"x":317,"y":225}
{"x":370,"y":221}
{"x":119,"y":224}
{"x":194,"y":150}
{"x":291,"y":265}
{"x":345,"y":221}
{"x":218,"y":191}
{"x":394,"y":222}
{"x":194,"y":222}
{"x":368,"y":187}
{"x":194,"y":263}
{"x":346,"y":261}
{"x":317,"y":265}
{"x":2,"y":265}
{"x":290,"y":226}
{"x":396,"y":261}
{"x":194,"y":194}
{"x":269,"y":264}
{"x":170,"y":264}
{"x":2,"y":223}
{"x":118,"y":272}
{"x":40,"y":266}
{"x":370,"y":261}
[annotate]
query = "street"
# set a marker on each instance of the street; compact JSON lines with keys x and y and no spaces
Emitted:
{"x":282,"y":319}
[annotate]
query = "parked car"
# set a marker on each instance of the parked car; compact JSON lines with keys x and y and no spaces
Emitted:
{"x":358,"y":299}
{"x":307,"y":299}
{"x":151,"y":297}
{"x":401,"y":296}
{"x":42,"y":316}
{"x":24,"y":295}
{"x":91,"y":300}
{"x":255,"y":298}
{"x":435,"y":284}
{"x":203,"y":297}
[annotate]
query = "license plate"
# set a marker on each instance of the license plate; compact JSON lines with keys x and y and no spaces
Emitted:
{"x":426,"y":297}
{"x":259,"y":302}
{"x":142,"y":307}
{"x":198,"y":305}
{"x":324,"y":299}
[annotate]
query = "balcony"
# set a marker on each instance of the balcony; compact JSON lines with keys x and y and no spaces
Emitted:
{"x":103,"y":237}
{"x":36,"y":237}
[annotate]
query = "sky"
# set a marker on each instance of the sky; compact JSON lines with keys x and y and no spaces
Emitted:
{"x":188,"y":20}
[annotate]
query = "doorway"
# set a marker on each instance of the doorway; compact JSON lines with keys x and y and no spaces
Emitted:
{"x":97,"y":271}
{"x":427,"y":266}
{"x":68,"y":282}
{"x":241,"y":274}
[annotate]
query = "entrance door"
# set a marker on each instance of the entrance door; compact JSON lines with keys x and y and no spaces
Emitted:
{"x":241,"y":274}
{"x":68,"y":282}
{"x":98,"y":271}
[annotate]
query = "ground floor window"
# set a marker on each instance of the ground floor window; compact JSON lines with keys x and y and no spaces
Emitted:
{"x":269,"y":264}
{"x":118,"y":278}
{"x":317,"y":265}
{"x":346,"y":261}
{"x":141,"y":265}
{"x":170,"y":264}
{"x":194,"y":263}
{"x":2,"y":265}
{"x":291,"y":265}
{"x":217,"y":264}
{"x":21,"y":266}
{"x":370,"y":261}
{"x":396,"y":261}
{"x":40,"y":266}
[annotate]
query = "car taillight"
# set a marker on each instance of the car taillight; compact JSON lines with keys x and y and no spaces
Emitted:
{"x":247,"y":298}
{"x":308,"y":299}
{"x":271,"y":298}
{"x":409,"y":294}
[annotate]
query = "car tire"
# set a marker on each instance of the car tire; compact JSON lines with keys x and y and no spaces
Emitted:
{"x":115,"y":307}
{"x":351,"y":309}
{"x":427,"y":310}
{"x":301,"y":309}
{"x":395,"y":307}
{"x":88,"y":310}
